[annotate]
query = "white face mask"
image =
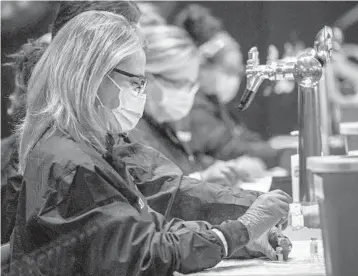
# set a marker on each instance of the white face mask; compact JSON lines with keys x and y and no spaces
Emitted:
{"x":227,"y":87}
{"x":175,"y":104}
{"x":126,"y":116}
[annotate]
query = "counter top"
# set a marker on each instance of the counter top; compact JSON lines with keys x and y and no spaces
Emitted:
{"x":349,"y":128}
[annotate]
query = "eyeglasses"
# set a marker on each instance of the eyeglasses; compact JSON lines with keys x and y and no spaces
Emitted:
{"x":140,"y":82}
{"x":178,"y":84}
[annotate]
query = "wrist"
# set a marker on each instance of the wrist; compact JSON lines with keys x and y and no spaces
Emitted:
{"x":236,"y":235}
{"x":246,"y":220}
{"x":196,"y":175}
{"x":222,"y":239}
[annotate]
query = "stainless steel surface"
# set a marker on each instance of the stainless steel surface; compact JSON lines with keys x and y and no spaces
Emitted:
{"x":306,"y":70}
{"x":310,"y":114}
{"x":325,"y":116}
{"x":256,"y":73}
{"x":323,"y":44}
{"x":309,"y":136}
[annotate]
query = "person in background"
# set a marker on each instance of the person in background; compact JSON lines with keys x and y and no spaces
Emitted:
{"x":74,"y":176}
{"x":25,"y":59}
{"x":212,"y":130}
{"x":345,"y":66}
{"x":172,"y":70}
{"x":69,"y":9}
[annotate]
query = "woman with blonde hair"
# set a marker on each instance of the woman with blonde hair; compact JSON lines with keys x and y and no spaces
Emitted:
{"x":86,"y":90}
{"x":23,"y":63}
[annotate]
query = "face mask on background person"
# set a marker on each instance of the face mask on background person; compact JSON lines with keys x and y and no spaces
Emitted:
{"x":175,"y":103}
{"x":126,"y":116}
{"x":226,"y":87}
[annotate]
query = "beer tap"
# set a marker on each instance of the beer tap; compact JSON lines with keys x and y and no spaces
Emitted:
{"x":306,"y":69}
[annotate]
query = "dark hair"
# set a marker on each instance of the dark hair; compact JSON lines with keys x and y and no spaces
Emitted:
{"x":199,"y":23}
{"x":23,"y":63}
{"x":69,"y":9}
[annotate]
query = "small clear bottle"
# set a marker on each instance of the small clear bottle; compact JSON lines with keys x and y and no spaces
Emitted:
{"x":296,"y":216}
{"x":314,"y":248}
{"x":279,"y":254}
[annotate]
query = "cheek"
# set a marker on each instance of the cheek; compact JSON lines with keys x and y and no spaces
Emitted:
{"x":207,"y":78}
{"x":235,"y":83}
{"x":108,"y":94}
{"x":154,"y":93}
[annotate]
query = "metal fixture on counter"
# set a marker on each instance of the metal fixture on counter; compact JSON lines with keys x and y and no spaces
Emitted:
{"x":306,"y":70}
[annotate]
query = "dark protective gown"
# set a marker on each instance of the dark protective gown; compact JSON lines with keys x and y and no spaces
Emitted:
{"x":10,"y":185}
{"x":163,"y":138}
{"x":216,"y":134}
{"x":208,"y":202}
{"x":68,"y":187}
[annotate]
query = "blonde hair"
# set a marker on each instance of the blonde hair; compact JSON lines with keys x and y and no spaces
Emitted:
{"x":64,"y":84}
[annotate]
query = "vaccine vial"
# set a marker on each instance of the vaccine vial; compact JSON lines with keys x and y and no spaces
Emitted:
{"x":279,"y":254}
{"x":314,"y":248}
{"x":296,"y":216}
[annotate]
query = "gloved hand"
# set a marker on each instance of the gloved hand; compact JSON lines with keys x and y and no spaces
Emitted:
{"x":224,"y":173}
{"x":266,"y":244}
{"x":260,"y":246}
{"x":250,"y":167}
{"x":266,"y":211}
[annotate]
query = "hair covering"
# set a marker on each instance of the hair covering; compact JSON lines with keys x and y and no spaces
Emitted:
{"x":169,"y":47}
{"x":150,"y":14}
{"x":69,"y":9}
{"x":207,"y":31}
{"x":199,"y":23}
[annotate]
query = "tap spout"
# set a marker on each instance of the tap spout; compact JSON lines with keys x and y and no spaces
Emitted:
{"x":255,"y":76}
{"x":323,"y":44}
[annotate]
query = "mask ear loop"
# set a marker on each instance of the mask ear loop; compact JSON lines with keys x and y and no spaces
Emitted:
{"x":112,"y":80}
{"x":195,"y":89}
{"x":100,"y":101}
{"x":116,"y":84}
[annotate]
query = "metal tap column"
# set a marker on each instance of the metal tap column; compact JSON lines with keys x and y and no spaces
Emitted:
{"x":313,"y":106}
{"x":309,"y":136}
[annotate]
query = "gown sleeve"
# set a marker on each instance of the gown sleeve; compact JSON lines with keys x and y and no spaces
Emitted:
{"x":132,"y":239}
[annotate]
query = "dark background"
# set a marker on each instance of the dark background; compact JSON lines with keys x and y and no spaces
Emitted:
{"x":251,"y":23}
